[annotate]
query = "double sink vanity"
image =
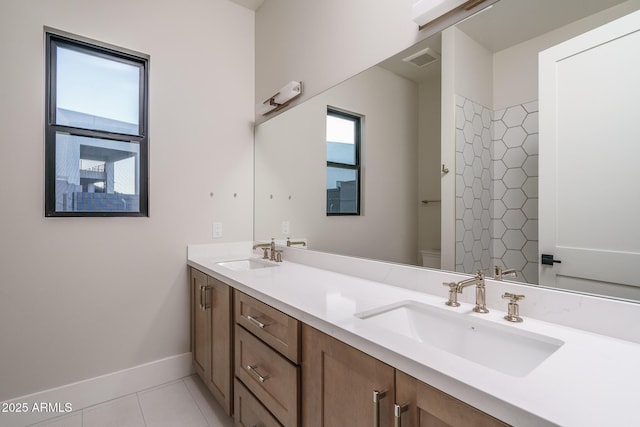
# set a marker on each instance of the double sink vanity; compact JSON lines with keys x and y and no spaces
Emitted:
{"x":310,"y":338}
{"x":328,"y":340}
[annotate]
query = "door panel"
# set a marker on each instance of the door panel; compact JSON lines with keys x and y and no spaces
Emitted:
{"x":589,"y":151}
{"x":201,"y":325}
{"x":430,"y":407}
{"x":338,"y":382}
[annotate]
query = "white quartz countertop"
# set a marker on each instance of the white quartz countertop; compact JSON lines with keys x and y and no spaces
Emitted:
{"x":591,"y":380}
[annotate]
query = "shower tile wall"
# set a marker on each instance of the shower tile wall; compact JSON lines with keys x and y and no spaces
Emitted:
{"x":473,"y":186}
{"x":502,"y":231}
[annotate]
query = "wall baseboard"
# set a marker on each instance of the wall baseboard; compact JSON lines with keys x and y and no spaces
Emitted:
{"x":93,"y":391}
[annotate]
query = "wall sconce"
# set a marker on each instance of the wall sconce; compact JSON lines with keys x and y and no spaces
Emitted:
{"x":425,"y":11}
{"x":281,"y":99}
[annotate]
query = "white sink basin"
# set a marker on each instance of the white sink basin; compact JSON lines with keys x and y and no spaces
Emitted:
{"x":501,"y":347}
{"x":246,"y":264}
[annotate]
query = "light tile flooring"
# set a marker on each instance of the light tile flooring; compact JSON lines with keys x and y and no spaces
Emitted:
{"x":181,"y":403}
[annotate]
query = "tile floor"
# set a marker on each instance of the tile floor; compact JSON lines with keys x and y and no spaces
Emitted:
{"x":181,"y":403}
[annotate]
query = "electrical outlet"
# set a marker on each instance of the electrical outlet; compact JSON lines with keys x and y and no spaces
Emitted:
{"x":285,"y":227}
{"x":217,"y":230}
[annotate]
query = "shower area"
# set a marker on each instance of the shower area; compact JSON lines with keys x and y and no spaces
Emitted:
{"x":497,"y":188}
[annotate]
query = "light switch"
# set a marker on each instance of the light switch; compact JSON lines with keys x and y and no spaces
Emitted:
{"x":285,"y":227}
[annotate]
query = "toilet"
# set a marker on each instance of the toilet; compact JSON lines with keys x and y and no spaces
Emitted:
{"x":430,"y":258}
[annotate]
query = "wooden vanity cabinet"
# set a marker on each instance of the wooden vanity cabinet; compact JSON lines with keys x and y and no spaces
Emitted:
{"x":427,"y":406}
{"x":338,"y":383}
{"x":290,"y":374}
{"x":211,"y":335}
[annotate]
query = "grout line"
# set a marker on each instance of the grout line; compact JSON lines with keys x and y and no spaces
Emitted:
{"x":144,"y":420}
{"x":161,"y":385}
{"x":206,"y":420}
{"x":104,"y":403}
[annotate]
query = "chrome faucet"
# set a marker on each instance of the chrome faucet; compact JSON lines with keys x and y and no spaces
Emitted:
{"x":290,"y":243}
{"x":499,"y":273}
{"x":266,"y":247}
{"x":456,"y":288}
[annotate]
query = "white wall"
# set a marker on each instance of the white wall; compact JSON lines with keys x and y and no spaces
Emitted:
{"x":291,"y":161}
{"x":473,"y":72}
{"x":429,"y":163}
{"x":81,"y":297}
{"x":326,"y":42}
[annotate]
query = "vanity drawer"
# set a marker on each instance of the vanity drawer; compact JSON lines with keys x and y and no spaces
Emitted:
{"x":248,"y":410}
{"x":280,"y":331}
{"x":269,"y":376}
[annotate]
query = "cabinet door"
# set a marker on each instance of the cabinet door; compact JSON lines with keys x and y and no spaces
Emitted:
{"x":338,"y":383}
{"x":427,"y":406}
{"x":221,"y":376}
{"x":201,"y":325}
{"x":211,"y":336}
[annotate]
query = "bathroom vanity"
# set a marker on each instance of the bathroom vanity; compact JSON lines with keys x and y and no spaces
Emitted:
{"x":321,"y":339}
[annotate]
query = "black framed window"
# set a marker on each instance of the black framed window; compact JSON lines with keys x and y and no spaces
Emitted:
{"x":343,"y":163}
{"x":96,"y":136}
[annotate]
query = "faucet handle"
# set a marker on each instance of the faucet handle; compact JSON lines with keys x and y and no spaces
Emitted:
{"x":513,"y":311}
{"x":453,"y":294}
{"x":513,"y":297}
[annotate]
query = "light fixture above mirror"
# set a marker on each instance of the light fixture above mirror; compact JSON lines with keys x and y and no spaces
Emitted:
{"x":281,"y":99}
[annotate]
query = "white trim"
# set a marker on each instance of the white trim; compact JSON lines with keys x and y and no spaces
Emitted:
{"x":93,"y":391}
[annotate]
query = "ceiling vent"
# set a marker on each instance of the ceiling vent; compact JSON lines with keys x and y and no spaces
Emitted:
{"x":422,"y":58}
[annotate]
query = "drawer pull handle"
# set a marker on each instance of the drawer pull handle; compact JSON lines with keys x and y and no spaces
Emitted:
{"x":254,"y":370}
{"x":397,"y":414}
{"x":202,"y":297}
{"x":204,"y":305}
{"x":255,"y":321}
{"x":377,"y":396}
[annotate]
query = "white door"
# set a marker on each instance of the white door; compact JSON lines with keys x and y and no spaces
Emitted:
{"x":589,"y":181}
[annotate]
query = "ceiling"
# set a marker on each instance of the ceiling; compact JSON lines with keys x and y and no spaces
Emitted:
{"x":511,"y":22}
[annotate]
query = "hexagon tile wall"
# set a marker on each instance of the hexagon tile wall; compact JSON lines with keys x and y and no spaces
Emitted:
{"x":497,"y":188}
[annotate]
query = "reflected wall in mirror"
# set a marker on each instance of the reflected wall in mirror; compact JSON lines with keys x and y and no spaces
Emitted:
{"x":475,"y":109}
{"x":291,"y":171}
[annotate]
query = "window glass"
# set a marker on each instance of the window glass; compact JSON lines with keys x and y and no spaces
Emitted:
{"x":342,"y":191}
{"x":96,"y":93}
{"x":95,"y":174}
{"x":341,"y":140}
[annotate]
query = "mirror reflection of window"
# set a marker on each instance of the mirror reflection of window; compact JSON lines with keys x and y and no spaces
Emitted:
{"x":343,"y":163}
